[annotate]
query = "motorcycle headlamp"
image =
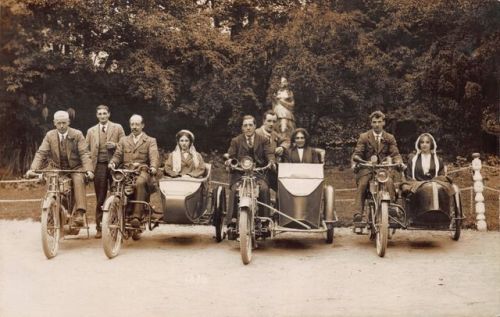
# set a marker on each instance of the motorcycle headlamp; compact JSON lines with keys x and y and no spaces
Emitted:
{"x":246,"y":163}
{"x":118,"y":176}
{"x":382,"y":176}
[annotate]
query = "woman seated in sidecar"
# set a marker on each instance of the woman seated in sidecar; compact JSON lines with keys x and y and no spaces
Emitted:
{"x":185,"y":160}
{"x":300,"y":151}
{"x":427,"y":188}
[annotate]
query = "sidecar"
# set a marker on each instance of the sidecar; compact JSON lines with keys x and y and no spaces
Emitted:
{"x":188,"y":200}
{"x":305,"y":203}
{"x":434,"y":206}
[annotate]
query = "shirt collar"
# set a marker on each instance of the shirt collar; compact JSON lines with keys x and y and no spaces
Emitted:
{"x":136,"y":138}
{"x":61,"y":135}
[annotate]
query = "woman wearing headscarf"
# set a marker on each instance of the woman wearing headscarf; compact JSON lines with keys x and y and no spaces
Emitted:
{"x":300,"y":151}
{"x":184,"y":160}
{"x":426,"y":164}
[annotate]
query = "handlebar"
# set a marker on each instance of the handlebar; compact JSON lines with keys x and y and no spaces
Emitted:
{"x":373,"y":165}
{"x":58,"y":171}
{"x":237,"y":167}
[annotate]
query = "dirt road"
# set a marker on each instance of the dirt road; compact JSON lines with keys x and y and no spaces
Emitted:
{"x":181,"y":271}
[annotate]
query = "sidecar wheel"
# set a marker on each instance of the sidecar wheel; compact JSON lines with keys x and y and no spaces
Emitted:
{"x":219,"y":211}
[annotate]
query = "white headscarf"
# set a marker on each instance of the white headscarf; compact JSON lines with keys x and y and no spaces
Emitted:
{"x":177,"y":153}
{"x":433,"y":151}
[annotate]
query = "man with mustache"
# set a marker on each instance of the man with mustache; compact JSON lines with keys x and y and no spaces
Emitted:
{"x":138,"y":148}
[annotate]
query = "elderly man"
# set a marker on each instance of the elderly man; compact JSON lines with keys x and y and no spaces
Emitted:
{"x":259,"y":149}
{"x":373,"y":142}
{"x":138,"y":148}
{"x":66,"y":148}
{"x":102,"y":140}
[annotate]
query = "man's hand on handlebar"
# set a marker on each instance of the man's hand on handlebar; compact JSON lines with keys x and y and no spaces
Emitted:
{"x":152,"y":171}
{"x":112,"y":165}
{"x":31,"y":174}
{"x":90,"y":175}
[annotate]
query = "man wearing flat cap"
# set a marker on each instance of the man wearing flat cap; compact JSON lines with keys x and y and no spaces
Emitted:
{"x":66,"y":149}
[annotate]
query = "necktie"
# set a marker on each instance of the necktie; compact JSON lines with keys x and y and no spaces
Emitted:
{"x":62,"y":140}
{"x":249,"y":142}
{"x":103,"y":129}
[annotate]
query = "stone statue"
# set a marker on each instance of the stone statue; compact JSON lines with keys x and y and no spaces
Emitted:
{"x":283,"y":104}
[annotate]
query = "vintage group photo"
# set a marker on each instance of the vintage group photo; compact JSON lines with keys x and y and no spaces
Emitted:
{"x":250,"y":158}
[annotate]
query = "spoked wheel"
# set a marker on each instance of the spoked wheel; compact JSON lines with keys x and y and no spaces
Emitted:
{"x":112,"y":221}
{"x":219,"y":211}
{"x":51,"y":230}
{"x":382,"y":228}
{"x":246,"y":235}
{"x":456,"y":224}
{"x":329,"y":212}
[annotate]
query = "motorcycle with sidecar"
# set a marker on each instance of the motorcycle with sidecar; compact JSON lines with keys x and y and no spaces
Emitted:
{"x":304,"y":204}
{"x":429,"y":206}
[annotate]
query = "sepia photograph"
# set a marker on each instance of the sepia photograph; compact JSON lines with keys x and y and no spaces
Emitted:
{"x":268,"y":158}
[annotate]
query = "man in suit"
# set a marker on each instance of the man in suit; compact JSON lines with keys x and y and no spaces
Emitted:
{"x":66,"y":148}
{"x":279,"y":142}
{"x":373,"y":142}
{"x":102,"y":140}
{"x":139,"y":148}
{"x":259,"y":149}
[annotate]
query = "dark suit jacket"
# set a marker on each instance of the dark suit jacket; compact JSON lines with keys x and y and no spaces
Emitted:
{"x":76,"y":151}
{"x":310,"y":156}
{"x":114,"y":134}
{"x":274,"y":138}
{"x":367,"y":146}
{"x":144,"y":152}
{"x":262,"y":152}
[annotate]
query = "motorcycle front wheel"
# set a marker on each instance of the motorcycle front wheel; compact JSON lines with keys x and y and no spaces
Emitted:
{"x":382,"y":228}
{"x":112,"y":221}
{"x":51,"y":229}
{"x":246,"y":238}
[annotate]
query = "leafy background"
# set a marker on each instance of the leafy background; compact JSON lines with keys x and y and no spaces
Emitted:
{"x":431,"y":65}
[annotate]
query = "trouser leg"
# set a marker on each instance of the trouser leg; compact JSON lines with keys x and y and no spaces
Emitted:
{"x":101,"y":179}
{"x":361,"y":193}
{"x":232,"y":203}
{"x":263,"y":197}
{"x":79,"y":191}
{"x":141,"y":192}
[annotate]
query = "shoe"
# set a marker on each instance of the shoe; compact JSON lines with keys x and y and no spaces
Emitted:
{"x":135,"y":222}
{"x":358,"y":217}
{"x":78,"y":218}
{"x":98,"y":234}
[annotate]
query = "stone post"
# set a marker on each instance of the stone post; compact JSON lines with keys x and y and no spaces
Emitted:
{"x":478,"y":191}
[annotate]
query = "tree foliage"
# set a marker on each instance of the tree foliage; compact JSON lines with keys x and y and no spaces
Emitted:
{"x":432,"y":65}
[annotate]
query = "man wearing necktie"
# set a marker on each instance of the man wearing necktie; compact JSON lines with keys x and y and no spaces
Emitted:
{"x":258,"y":147}
{"x":66,"y":148}
{"x":373,"y":142}
{"x":102,"y":140}
{"x":139,"y":148}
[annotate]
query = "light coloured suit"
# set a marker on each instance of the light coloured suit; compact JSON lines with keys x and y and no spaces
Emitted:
{"x":102,"y":178}
{"x":145,"y":151}
{"x":77,"y":155}
{"x":114,"y":133}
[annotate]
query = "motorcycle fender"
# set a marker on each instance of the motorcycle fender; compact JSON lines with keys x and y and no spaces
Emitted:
{"x":245,"y":202}
{"x":47,"y":201}
{"x":107,"y":203}
{"x":385,"y":196}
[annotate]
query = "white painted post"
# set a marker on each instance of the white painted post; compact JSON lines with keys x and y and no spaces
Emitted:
{"x":478,"y":190}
